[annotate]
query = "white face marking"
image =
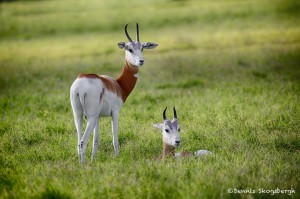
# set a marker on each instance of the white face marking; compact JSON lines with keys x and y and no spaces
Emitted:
{"x":134,"y":51}
{"x":170,"y":131}
{"x":134,"y":54}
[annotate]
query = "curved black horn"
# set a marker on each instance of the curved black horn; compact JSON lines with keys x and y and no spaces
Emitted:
{"x":127,"y":33}
{"x":137,"y":32}
{"x":164,"y":114}
{"x":175,"y":115}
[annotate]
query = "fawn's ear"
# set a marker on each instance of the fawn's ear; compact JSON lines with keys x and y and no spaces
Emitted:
{"x":158,"y":125}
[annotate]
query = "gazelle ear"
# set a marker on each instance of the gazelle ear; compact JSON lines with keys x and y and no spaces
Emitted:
{"x":158,"y":125}
{"x":122,"y":45}
{"x":149,"y":45}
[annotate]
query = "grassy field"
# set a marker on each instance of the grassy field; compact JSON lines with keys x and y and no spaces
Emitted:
{"x":231,"y":68}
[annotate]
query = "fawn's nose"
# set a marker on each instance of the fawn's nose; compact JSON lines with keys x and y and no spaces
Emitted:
{"x":141,"y":62}
{"x":177,"y":142}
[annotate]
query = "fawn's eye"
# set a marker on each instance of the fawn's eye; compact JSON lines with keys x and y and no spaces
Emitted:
{"x":167,"y":130}
{"x":130,"y":50}
{"x":179,"y":130}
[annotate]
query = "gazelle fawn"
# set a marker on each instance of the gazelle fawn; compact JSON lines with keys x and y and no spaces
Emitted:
{"x":98,"y":96}
{"x":171,"y":138}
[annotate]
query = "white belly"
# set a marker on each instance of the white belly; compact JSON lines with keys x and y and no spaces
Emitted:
{"x":110,"y":103}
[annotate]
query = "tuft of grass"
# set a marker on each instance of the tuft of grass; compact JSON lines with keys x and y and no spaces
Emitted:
{"x":183,"y":85}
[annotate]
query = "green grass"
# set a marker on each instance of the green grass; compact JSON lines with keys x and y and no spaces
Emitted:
{"x":231,"y":68}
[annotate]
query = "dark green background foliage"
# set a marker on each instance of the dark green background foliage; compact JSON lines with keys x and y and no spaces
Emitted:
{"x":231,"y":68}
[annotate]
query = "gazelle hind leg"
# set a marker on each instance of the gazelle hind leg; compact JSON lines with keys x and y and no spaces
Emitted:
{"x":115,"y":126}
{"x":77,"y":112}
{"x":78,"y":124}
{"x":91,"y":122}
{"x":95,"y":139}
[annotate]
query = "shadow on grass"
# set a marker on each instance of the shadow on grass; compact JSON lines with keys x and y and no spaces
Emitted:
{"x":52,"y":193}
{"x":6,"y":183}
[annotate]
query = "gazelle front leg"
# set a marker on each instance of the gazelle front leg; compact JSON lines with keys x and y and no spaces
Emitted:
{"x":95,"y":140}
{"x":115,"y":123}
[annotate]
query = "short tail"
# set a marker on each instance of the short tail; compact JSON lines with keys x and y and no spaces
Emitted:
{"x":81,"y":99}
{"x":77,"y":102}
{"x":201,"y":153}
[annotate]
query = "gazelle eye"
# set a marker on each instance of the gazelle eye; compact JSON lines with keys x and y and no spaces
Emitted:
{"x":130,"y":50}
{"x":167,"y":130}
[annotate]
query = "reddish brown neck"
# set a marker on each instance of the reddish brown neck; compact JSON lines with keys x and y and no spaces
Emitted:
{"x":168,"y":151}
{"x":127,"y":79}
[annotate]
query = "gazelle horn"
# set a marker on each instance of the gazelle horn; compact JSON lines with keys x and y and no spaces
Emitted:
{"x":164,"y":114}
{"x":137,"y":32}
{"x":175,"y":115}
{"x":127,"y":33}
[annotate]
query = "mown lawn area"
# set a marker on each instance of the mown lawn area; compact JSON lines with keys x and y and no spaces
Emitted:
{"x":231,"y":68}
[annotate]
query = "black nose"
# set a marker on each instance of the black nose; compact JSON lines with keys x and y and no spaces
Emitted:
{"x":177,"y":142}
{"x":141,"y":61}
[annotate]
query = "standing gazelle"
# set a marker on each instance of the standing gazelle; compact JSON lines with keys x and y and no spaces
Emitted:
{"x":171,"y":138}
{"x":98,"y":96}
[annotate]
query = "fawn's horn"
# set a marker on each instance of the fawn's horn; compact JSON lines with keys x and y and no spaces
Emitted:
{"x":164,"y":114}
{"x":175,"y":115}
